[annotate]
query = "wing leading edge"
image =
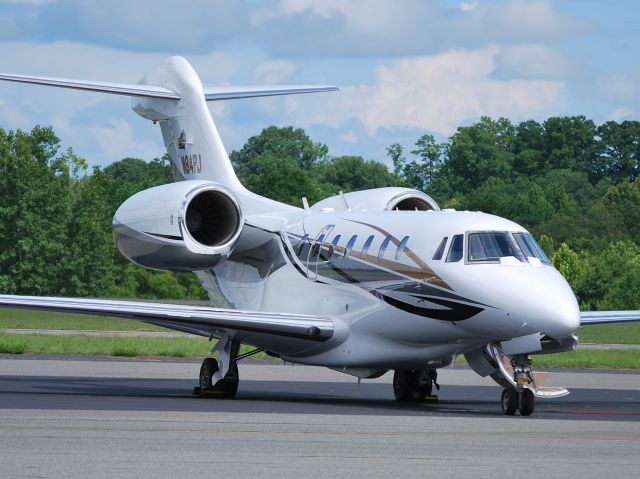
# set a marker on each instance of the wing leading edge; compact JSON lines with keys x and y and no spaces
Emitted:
{"x":203,"y":321}
{"x":588,"y":318}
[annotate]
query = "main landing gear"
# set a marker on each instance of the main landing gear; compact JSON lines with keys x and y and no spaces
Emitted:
{"x":521,"y":398}
{"x":219,"y":378}
{"x":415,"y":384}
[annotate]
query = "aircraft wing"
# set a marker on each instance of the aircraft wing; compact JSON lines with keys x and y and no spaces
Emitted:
{"x":608,"y":317}
{"x":203,"y":321}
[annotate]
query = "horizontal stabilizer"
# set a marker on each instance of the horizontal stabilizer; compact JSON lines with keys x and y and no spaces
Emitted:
{"x":152,"y":91}
{"x":231,"y":93}
{"x":608,"y":317}
{"x":203,"y":321}
{"x":148,"y":91}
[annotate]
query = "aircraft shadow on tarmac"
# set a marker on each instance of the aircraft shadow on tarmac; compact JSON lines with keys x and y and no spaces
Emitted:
{"x":296,"y":397}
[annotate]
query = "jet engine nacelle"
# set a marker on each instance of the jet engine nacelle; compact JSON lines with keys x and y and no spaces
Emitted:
{"x":379,"y":199}
{"x":183,"y":226}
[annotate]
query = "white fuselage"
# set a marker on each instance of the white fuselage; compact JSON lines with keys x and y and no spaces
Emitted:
{"x":391,"y":308}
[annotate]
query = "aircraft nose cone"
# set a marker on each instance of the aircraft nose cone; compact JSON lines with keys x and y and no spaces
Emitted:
{"x":560,"y":313}
{"x":564,"y":319}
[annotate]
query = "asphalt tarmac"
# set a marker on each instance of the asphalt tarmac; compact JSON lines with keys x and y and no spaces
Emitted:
{"x":80,"y":417}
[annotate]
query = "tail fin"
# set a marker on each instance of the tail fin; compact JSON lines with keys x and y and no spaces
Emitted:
{"x":189,"y":134}
{"x":172,"y":95}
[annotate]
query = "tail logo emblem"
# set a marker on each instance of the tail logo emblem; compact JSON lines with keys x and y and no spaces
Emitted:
{"x":182,"y":140}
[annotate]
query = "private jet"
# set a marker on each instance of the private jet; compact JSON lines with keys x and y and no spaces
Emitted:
{"x":364,"y":283}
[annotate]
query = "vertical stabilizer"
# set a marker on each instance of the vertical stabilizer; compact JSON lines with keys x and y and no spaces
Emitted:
{"x":189,"y":133}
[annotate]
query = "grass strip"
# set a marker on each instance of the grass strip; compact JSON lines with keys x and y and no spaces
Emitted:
{"x":26,"y":319}
{"x":85,"y":345}
{"x":611,"y":333}
{"x":585,"y":358}
{"x":199,"y":347}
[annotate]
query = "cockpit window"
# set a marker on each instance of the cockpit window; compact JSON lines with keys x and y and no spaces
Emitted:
{"x":455,"y":250}
{"x":490,"y":246}
{"x":530,"y":247}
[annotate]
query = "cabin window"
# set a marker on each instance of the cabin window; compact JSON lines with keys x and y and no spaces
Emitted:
{"x":352,"y":241}
{"x":455,"y":250}
{"x":490,"y":246}
{"x":332,"y":248}
{"x":530,"y":247}
{"x":437,"y":256}
{"x":383,"y":246}
{"x":401,"y":247}
{"x":367,"y":245}
{"x":316,"y":246}
{"x":302,"y":244}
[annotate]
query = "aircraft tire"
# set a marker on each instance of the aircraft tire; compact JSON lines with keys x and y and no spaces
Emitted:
{"x":207,"y":370}
{"x":509,"y":401}
{"x":402,"y":385}
{"x":528,"y":403}
{"x":229,"y":385}
{"x":407,"y":385}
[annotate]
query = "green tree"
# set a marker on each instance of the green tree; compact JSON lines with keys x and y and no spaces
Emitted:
{"x":278,"y":164}
{"x":420,"y":173}
{"x":569,"y":264}
{"x":478,"y":152}
{"x":618,"y":153}
{"x":352,"y":173}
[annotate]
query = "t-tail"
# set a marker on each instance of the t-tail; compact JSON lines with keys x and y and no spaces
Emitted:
{"x":173,"y":96}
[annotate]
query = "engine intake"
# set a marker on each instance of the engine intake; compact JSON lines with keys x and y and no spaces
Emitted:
{"x":184,"y":226}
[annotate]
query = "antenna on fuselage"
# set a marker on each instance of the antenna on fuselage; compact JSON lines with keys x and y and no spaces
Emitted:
{"x":344,"y":200}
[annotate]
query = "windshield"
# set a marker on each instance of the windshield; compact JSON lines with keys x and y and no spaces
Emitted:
{"x":490,"y":246}
{"x":530,"y":247}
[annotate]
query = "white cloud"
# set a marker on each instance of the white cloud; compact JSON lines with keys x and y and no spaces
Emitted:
{"x":534,"y":61}
{"x":622,"y":113}
{"x":117,"y":140}
{"x":273,"y":72}
{"x":436,"y":93}
{"x":407,"y":27}
{"x":350,"y":137}
{"x":468,"y":6}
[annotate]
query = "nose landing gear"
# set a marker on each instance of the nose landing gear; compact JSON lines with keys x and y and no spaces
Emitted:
{"x":521,"y":398}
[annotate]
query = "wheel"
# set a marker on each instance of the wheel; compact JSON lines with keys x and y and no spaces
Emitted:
{"x":509,"y":401}
{"x":411,"y":385}
{"x":229,"y":385}
{"x":528,"y":403}
{"x":207,"y":370}
{"x":402,"y":385}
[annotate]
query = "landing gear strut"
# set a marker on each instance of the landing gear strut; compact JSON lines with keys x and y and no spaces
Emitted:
{"x":521,"y":398}
{"x":414,"y":384}
{"x":219,"y":378}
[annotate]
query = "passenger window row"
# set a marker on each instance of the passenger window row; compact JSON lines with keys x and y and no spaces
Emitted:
{"x":308,"y":248}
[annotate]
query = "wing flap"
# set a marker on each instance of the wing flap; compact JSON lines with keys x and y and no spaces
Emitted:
{"x":588,"y":318}
{"x":203,"y":321}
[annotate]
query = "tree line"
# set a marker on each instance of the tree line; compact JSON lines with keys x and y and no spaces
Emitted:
{"x":572,"y":183}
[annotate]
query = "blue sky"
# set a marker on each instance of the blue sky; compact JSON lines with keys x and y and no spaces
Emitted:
{"x":406,"y":67}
